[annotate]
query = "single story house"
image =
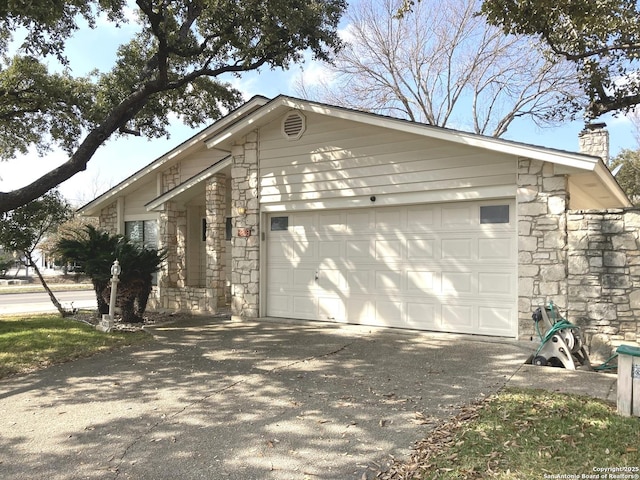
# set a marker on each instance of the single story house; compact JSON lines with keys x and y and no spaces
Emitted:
{"x":296,"y":209}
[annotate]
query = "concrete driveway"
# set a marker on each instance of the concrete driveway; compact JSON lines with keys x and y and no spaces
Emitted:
{"x":215,"y":399}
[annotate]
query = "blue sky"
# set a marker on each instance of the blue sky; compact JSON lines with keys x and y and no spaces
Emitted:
{"x":119,"y":158}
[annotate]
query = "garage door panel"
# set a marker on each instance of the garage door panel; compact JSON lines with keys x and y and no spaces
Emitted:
{"x":359,"y":282}
{"x":357,"y":222}
{"x":457,"y":318}
{"x":388,"y":250}
{"x":360,"y":309}
{"x":494,"y":319}
{"x":422,"y":282}
{"x":282,"y":250}
{"x":302,"y":222}
{"x":331,"y":249}
{"x":304,"y":306}
{"x":457,"y":248}
{"x":422,"y":316}
{"x":495,"y":249}
{"x":388,"y":312}
{"x":421,"y":218}
{"x":457,"y":283}
{"x":303,"y":277}
{"x":331,"y":308}
{"x":388,"y":220}
{"x":281,"y":277}
{"x":280,"y":305}
{"x":458,"y":215}
{"x":495,"y":283}
{"x":388,"y":280}
{"x":421,"y":249}
{"x":358,"y":250}
{"x":331,"y":280}
{"x":430,"y":267}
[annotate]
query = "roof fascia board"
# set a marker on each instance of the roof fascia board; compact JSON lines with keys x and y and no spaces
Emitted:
{"x":607,"y":178}
{"x":224,"y":122}
{"x":580,"y":161}
{"x":156,"y":203}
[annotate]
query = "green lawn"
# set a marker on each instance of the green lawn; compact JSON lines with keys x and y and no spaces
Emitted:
{"x":29,"y":343}
{"x":527,"y":435}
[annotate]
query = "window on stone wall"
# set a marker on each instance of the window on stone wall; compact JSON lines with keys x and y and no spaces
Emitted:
{"x":145,"y":233}
{"x":142,"y":232}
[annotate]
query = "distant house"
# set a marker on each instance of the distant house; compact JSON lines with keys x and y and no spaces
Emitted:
{"x":296,"y":209}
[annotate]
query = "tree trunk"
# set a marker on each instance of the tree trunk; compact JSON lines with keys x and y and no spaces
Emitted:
{"x":103,"y":305}
{"x":142,"y":298}
{"x":53,"y":298}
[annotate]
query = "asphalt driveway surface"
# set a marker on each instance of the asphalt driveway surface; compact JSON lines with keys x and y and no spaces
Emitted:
{"x":216,"y":399}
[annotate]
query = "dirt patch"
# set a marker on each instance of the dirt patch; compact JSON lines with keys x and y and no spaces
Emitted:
{"x":149,"y":318}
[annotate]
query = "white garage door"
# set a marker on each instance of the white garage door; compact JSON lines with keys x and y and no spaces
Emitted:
{"x":445,"y":267}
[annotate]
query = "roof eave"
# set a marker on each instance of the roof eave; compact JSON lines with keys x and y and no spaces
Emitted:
{"x":612,"y":185}
{"x":93,"y":208}
{"x":156,"y":203}
{"x":575,"y":160}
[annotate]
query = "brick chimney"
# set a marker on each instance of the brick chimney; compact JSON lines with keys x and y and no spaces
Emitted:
{"x":594,"y":140}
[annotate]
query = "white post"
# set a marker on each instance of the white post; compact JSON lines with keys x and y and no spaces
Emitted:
{"x":115,"y":272}
{"x":107,"y":320}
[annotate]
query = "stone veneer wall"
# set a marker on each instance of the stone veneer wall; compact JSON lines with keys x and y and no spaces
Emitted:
{"x":245,"y":254}
{"x":604,"y":277}
{"x":542,"y":238}
{"x":216,"y":191}
{"x":108,"y":220}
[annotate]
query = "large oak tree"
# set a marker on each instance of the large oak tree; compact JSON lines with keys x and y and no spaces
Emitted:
{"x":601,"y":38}
{"x":176,"y":63}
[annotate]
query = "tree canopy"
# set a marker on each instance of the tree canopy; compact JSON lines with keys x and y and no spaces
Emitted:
{"x":176,"y":63}
{"x":601,"y":37}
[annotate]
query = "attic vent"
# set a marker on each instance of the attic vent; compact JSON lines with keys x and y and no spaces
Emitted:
{"x":293,"y":126}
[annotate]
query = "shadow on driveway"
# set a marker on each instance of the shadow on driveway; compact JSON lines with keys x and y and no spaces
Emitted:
{"x":227,"y":400}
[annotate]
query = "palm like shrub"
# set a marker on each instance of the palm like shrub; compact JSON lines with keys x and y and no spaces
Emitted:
{"x":96,"y":251}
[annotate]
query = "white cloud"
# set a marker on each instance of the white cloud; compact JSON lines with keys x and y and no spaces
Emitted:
{"x":315,"y":73}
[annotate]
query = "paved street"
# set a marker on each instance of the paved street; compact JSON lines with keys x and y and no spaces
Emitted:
{"x":11,"y":303}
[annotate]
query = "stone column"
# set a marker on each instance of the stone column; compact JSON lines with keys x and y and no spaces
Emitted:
{"x":216,"y":189}
{"x":542,"y":240}
{"x":245,"y":239}
{"x":172,"y":235}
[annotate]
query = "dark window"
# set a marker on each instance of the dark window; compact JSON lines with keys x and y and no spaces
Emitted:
{"x":229,"y":228}
{"x":204,"y":229}
{"x":494,"y":214}
{"x":142,"y":232}
{"x":279,"y":224}
{"x":145,"y":233}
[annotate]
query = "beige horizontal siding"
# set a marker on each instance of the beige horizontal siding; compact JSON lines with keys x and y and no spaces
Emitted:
{"x":339,"y":158}
{"x":197,"y":162}
{"x":134,"y":203}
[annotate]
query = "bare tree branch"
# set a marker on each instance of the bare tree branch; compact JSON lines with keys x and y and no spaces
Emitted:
{"x":441,"y":64}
